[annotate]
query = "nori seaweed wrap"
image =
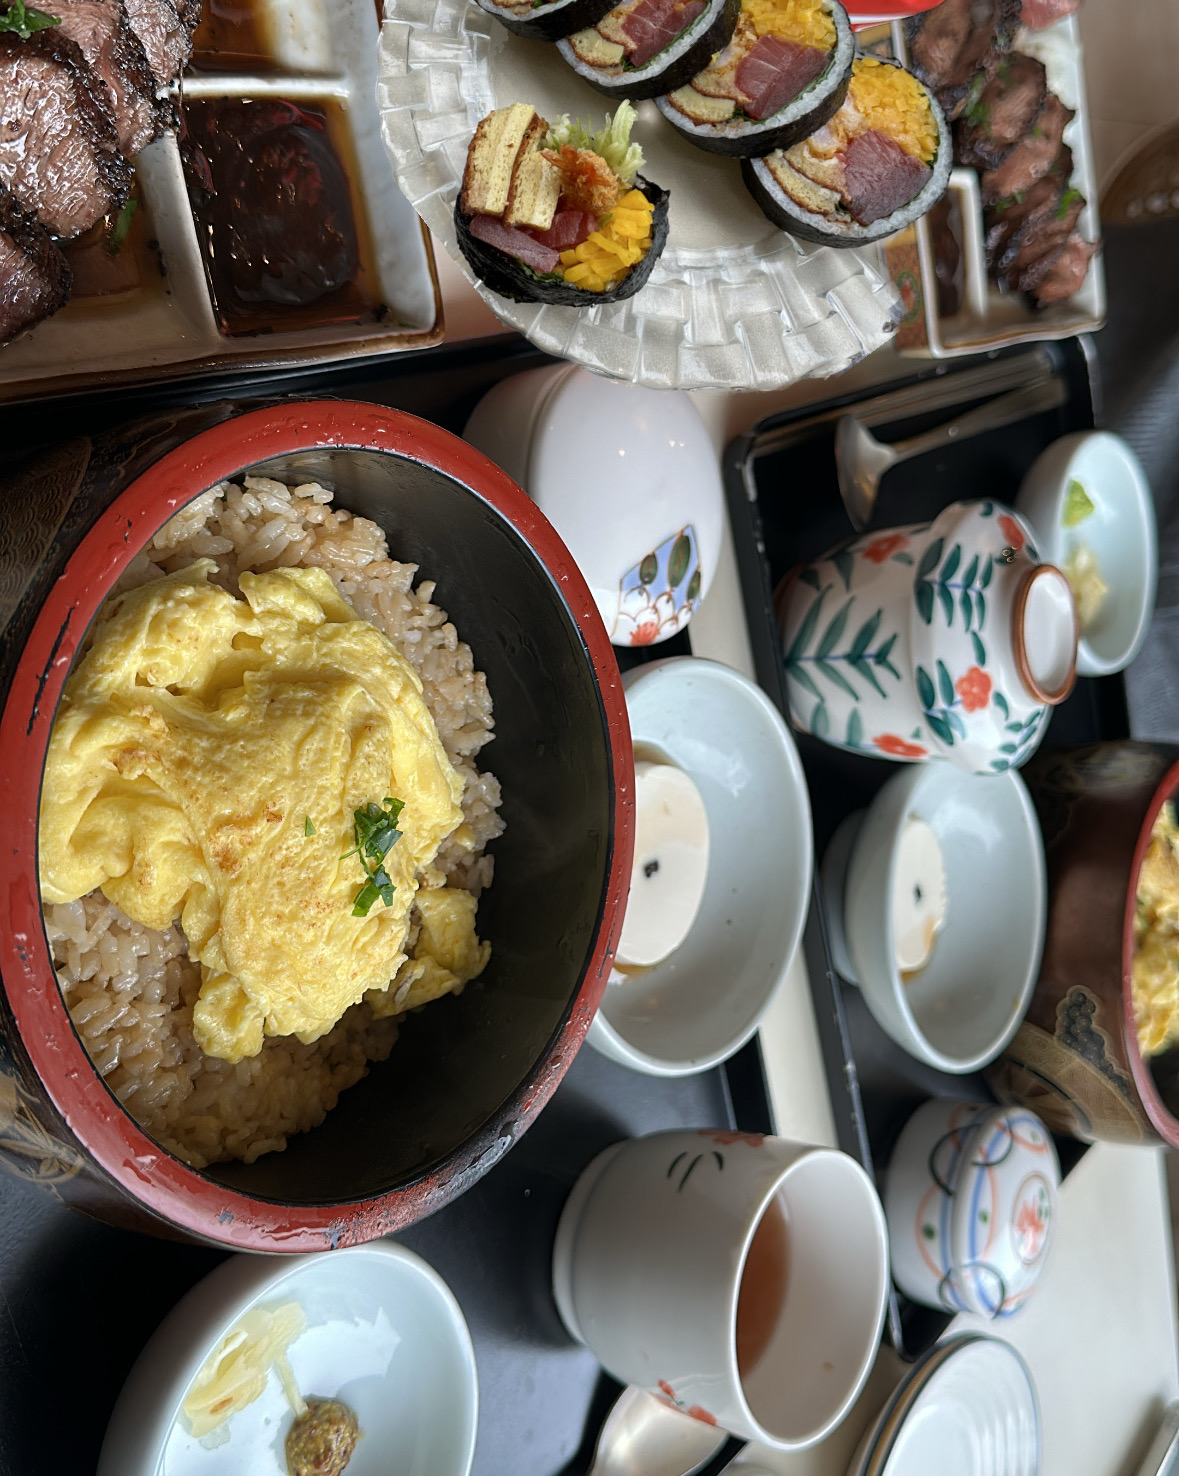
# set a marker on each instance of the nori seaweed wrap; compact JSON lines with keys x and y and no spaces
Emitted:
{"x":850,"y":185}
{"x":548,"y":20}
{"x":558,"y":214}
{"x":768,"y":88}
{"x":627,"y":67}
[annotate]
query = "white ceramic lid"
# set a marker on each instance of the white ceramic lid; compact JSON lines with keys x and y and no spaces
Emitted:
{"x":631,"y":481}
{"x":971,"y":1409}
{"x":1005,"y":1198}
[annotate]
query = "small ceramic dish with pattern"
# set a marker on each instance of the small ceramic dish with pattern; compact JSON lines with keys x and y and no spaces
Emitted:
{"x":971,"y":1197}
{"x":629,"y":478}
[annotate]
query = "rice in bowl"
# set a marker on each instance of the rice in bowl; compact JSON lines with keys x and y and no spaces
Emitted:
{"x":130,"y":990}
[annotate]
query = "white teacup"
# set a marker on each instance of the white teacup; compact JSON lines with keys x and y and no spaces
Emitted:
{"x":742,"y":1278}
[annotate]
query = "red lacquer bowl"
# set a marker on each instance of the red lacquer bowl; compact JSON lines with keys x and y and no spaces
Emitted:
{"x":468,"y":1074}
{"x":1075,"y":1060}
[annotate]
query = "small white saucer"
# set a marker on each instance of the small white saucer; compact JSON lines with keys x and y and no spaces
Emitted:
{"x":969,"y":1407}
{"x":384,"y":1334}
{"x":706,"y":999}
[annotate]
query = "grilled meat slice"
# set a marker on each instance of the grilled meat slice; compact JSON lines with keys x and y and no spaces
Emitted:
{"x":115,"y":54}
{"x":1028,"y":227}
{"x":951,"y":43}
{"x":1031,"y":158}
{"x":1005,"y":110}
{"x":34,"y":277}
{"x":59,"y":151}
{"x":166,"y":34}
{"x":1058,"y":273}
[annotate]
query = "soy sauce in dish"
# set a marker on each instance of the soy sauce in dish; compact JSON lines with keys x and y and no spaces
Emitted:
{"x":231,"y":37}
{"x":276,"y":217}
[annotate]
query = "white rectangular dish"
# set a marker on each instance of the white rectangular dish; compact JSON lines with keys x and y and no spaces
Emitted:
{"x":154,"y":315}
{"x":986,"y":317}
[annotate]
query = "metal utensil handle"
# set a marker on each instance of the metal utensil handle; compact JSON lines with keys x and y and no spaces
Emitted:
{"x":1005,"y":410}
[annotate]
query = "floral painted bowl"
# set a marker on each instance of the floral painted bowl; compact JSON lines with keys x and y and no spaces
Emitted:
{"x":971,"y":1199}
{"x":629,"y":478}
{"x":948,"y":639}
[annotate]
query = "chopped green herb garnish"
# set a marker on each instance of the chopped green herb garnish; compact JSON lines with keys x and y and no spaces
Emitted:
{"x":308,"y":828}
{"x":118,"y":232}
{"x":1067,"y":200}
{"x":15,"y":17}
{"x":375,"y":829}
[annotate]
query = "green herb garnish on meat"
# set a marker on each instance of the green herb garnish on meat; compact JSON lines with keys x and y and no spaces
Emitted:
{"x":16,"y":17}
{"x":375,"y":829}
{"x":1067,"y":201}
{"x":118,"y":232}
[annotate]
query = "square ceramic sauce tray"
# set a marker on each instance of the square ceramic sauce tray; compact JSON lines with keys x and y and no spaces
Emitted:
{"x":287,"y":88}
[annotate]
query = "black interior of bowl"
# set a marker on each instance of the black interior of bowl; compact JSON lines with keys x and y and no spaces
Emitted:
{"x":459,"y":1063}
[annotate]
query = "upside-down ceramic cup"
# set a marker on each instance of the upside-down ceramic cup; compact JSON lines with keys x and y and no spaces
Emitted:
{"x":948,"y":639}
{"x":971,"y":1199}
{"x":741,"y":1278}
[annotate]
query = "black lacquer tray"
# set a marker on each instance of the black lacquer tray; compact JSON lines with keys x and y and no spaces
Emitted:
{"x":785,"y":509}
{"x":78,"y":1299}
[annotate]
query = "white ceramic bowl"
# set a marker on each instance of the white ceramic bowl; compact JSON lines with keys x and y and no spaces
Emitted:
{"x":702,"y":1003}
{"x":384,"y":1334}
{"x":1121,"y":532}
{"x":971,"y":1203}
{"x":629,"y":478}
{"x":958,"y":1011}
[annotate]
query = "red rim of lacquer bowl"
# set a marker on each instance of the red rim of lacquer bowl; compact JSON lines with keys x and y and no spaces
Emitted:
{"x":1159,"y":1115}
{"x":159,"y":1182}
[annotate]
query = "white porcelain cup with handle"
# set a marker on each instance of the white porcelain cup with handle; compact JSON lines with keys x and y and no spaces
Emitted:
{"x":742,"y":1278}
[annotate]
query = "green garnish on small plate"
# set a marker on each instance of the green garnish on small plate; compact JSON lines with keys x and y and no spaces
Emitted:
{"x":375,"y":829}
{"x":1078,"y":505}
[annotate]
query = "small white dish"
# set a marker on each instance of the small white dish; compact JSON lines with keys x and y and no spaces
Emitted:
{"x":630,"y":480}
{"x":970,"y":1407}
{"x":704,"y":1002}
{"x":1121,"y":532}
{"x":961,"y":1008}
{"x":971,"y":1202}
{"x":384,"y":1334}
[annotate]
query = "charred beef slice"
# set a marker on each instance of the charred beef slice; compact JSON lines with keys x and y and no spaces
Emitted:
{"x":1030,"y":227}
{"x":34,"y":277}
{"x":59,"y":151}
{"x":1061,"y":272}
{"x":1031,"y":158}
{"x":104,"y":36}
{"x":1004,"y":111}
{"x":166,"y":34}
{"x":951,"y":43}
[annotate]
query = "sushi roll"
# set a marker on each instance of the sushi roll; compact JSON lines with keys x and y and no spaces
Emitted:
{"x":782,"y":76}
{"x":557,"y":214}
{"x":883,"y":160}
{"x":546,"y":20}
{"x":644,"y":48}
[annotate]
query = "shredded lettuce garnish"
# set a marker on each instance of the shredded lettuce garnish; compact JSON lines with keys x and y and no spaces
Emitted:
{"x":612,"y":142}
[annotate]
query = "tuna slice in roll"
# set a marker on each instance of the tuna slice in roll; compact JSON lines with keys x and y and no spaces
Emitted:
{"x":644,"y":48}
{"x":883,"y":160}
{"x":557,"y":214}
{"x":783,"y":75}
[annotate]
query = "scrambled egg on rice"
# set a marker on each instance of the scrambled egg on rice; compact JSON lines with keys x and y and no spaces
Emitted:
{"x":1155,"y":970}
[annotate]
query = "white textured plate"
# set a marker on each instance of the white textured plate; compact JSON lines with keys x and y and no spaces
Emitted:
{"x":733,"y":303}
{"x":971,"y":1410}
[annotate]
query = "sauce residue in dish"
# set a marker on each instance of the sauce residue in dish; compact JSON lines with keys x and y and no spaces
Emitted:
{"x":280,"y":230}
{"x":322,"y":1439}
{"x":918,"y":896}
{"x":116,"y":257}
{"x":232,"y":33}
{"x":763,"y":1288}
